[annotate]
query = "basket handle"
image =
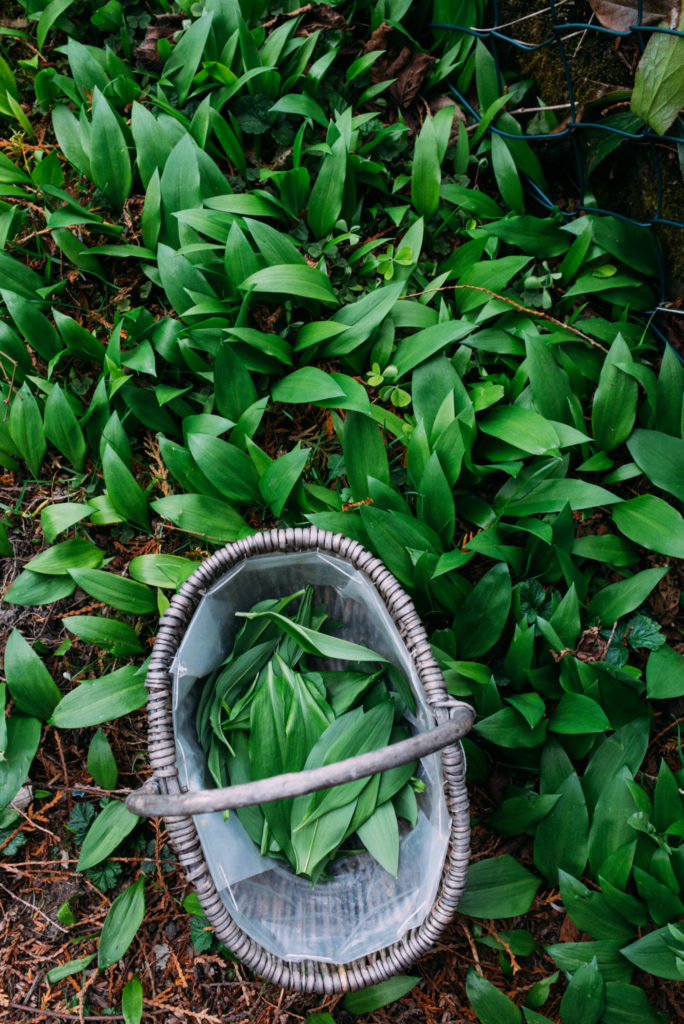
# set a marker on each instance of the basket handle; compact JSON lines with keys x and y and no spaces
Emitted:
{"x":147,"y":801}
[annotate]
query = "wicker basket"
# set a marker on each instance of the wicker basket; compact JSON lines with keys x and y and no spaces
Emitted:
{"x":165,"y":795}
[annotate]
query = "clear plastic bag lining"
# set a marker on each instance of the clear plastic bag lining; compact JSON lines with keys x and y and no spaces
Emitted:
{"x":362,"y":908}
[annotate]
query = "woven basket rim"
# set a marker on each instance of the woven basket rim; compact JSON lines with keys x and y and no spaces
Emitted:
{"x":306,"y":975}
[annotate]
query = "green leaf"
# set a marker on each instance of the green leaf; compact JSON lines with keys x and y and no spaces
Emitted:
{"x":122,"y":922}
{"x":229,"y":469}
{"x":661,"y":458}
{"x":553,"y":495}
{"x":116,"y":591}
{"x":123,"y":489}
{"x":610,"y":826}
{"x":506,"y":174}
{"x":625,"y":748}
{"x":614,"y":407}
{"x":309,"y":384}
{"x":110,"y":828}
{"x":116,"y":637}
{"x":664,"y":674}
{"x":570,"y":956}
{"x":653,"y":523}
{"x":26,"y":429}
{"x":205,"y":516}
{"x":654,"y":953}
{"x":627,"y":1004}
{"x":365,"y":454}
{"x":590,"y":911}
{"x":62,"y":429}
{"x":31,"y":685}
{"x":480,"y":622}
{"x":413,"y":351}
{"x":101,"y":762}
{"x":109,"y":160}
{"x":185,"y":57}
{"x":167,"y":571}
{"x":619,"y":599}
{"x":101,"y":700}
{"x":498,"y":887}
{"x":23,"y":737}
{"x":56,"y":518}
{"x":380,"y":835}
{"x":291,"y":279}
{"x":426,"y":173}
{"x":313,"y":642}
{"x":71,"y":966}
{"x":561,"y":837}
{"x":327,"y":194}
{"x":658,"y":93}
{"x":522,"y":428}
{"x":491,"y":1006}
{"x":132,"y":1001}
{"x":374,"y":996}
{"x":68,"y":554}
{"x":584,"y":998}
{"x":279,"y":478}
{"x":577,"y":714}
{"x":35,"y":588}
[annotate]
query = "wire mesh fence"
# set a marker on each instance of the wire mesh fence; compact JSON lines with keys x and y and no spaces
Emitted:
{"x":579,"y":63}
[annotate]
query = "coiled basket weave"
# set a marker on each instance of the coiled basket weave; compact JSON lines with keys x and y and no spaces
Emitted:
{"x":164,"y":794}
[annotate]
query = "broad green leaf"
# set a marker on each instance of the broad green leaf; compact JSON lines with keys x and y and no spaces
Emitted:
{"x":116,"y":591}
{"x":101,"y":700}
{"x":653,"y":523}
{"x":590,"y":911}
{"x":561,"y":837}
{"x":31,"y":685}
{"x":122,"y":922}
{"x":327,"y":193}
{"x":670,"y":393}
{"x":167,"y":571}
{"x":614,"y":407}
{"x":498,"y":887}
{"x":123,"y":489}
{"x":664,"y":674}
{"x":365,"y":454}
{"x":71,"y":966}
{"x":374,"y":996}
{"x":350,"y":326}
{"x":292,"y":279}
{"x":109,"y":160}
{"x":605,"y":548}
{"x":661,"y":458}
{"x":23,"y":737}
{"x":426,"y":173}
{"x":490,"y":1004}
{"x":570,"y":956}
{"x":185,"y":57}
{"x":518,"y":813}
{"x":625,"y":748}
{"x":610,"y":827}
{"x":552,"y":496}
{"x":101,"y":762}
{"x":658,"y":94}
{"x":313,"y":642}
{"x":577,"y":714}
{"x":380,"y":835}
{"x":228,"y":468}
{"x":279,"y":478}
{"x":26,"y":429}
{"x":522,"y":428}
{"x":110,"y":828}
{"x":116,"y":637}
{"x":62,"y":428}
{"x":413,"y":351}
{"x":235,"y":391}
{"x":506,"y":174}
{"x":56,"y":518}
{"x":68,"y":554}
{"x":35,"y":588}
{"x":207,"y":517}
{"x":309,"y":384}
{"x":132,"y":1001}
{"x":436,"y":502}
{"x":480,"y":621}
{"x":628,"y":1004}
{"x":654,"y":953}
{"x":619,"y":599}
{"x":584,"y":998}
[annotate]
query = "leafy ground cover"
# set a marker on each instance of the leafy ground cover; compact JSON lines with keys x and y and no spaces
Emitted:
{"x":256,"y":269}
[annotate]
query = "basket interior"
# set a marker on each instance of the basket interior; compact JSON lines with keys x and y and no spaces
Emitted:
{"x":362,"y":908}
